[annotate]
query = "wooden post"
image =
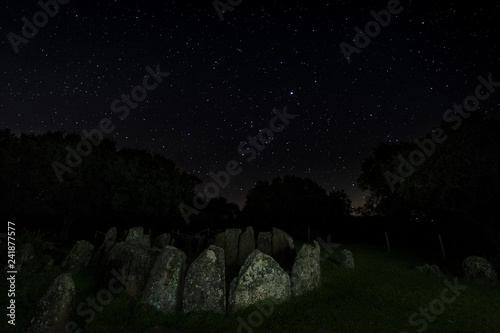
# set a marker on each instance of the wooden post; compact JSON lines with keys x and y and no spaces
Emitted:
{"x":387,"y":240}
{"x":442,"y":246}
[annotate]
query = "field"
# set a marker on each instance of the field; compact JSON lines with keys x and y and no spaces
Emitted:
{"x":380,"y":295}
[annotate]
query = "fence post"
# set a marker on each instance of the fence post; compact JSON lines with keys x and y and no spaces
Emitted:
{"x":95,"y":235}
{"x":442,"y":246}
{"x":387,"y":240}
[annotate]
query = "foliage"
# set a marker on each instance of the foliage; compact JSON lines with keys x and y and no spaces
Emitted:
{"x":293,"y":203}
{"x":108,"y":185}
{"x":456,"y":187}
{"x":218,"y":215}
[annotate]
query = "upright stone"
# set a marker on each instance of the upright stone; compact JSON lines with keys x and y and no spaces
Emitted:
{"x":264,"y":243}
{"x":259,"y":278}
{"x":48,"y":266}
{"x":109,"y":240}
{"x":54,"y":309}
{"x":283,"y":248}
{"x":161,"y":329}
{"x":346,"y":259}
{"x":220,"y":240}
{"x":231,"y":250}
{"x":136,"y":261}
{"x":430,"y":269}
{"x":306,"y":270}
{"x":200,"y":241}
{"x":135,"y":235}
{"x":79,"y":257}
{"x":101,"y":254}
{"x":480,"y":270}
{"x":146,"y":241}
{"x":23,"y":257}
{"x":246,"y":246}
{"x":205,"y":283}
{"x":162,"y":241}
{"x":164,"y":288}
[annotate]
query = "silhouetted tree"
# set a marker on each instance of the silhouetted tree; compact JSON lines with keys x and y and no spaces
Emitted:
{"x":294,"y":204}
{"x":455,"y":188}
{"x":218,"y":215}
{"x":109,"y":187}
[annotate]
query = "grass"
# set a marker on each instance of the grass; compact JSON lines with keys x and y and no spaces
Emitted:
{"x":380,"y":295}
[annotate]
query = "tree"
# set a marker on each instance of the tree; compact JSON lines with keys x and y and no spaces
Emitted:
{"x":294,"y":204}
{"x":108,"y":187}
{"x":455,"y":187}
{"x":218,"y":215}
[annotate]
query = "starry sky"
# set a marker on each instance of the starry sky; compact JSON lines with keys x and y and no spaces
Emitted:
{"x":226,"y":77}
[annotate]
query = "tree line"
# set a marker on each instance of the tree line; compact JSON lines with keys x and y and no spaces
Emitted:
{"x":453,"y":191}
{"x":131,"y":187}
{"x":446,"y":182}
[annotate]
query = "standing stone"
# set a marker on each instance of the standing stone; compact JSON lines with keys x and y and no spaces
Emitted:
{"x":23,"y":257}
{"x":430,"y":269}
{"x":135,"y":235}
{"x":136,"y":261}
{"x":246,"y":246}
{"x":102,"y":253}
{"x":220,"y":240}
{"x":48,"y":266}
{"x":205,"y":283}
{"x":79,"y":257}
{"x":259,"y":278}
{"x":265,"y":243}
{"x":162,"y":241}
{"x":346,"y":259}
{"x":162,"y":329}
{"x":231,"y":250}
{"x":164,"y":288}
{"x":480,"y":270}
{"x":146,"y":241}
{"x":306,"y":270}
{"x":55,"y":307}
{"x":200,"y":243}
{"x":283,"y":248}
{"x":109,"y":240}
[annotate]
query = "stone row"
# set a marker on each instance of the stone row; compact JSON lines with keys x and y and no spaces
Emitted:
{"x":238,"y":245}
{"x":159,"y":277}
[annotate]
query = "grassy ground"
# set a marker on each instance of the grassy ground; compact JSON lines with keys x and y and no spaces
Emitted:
{"x":380,"y":295}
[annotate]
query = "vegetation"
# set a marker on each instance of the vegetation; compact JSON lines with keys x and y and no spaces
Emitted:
{"x":131,"y":185}
{"x":380,"y":295}
{"x":293,"y":203}
{"x":454,"y":190}
{"x":128,"y":185}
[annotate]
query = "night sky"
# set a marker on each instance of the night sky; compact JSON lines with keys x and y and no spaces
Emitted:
{"x":226,"y":77}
